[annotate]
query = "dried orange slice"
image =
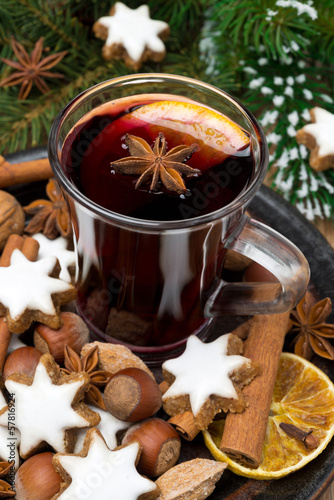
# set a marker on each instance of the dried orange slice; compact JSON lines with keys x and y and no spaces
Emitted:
{"x":303,"y":396}
{"x":186,"y":123}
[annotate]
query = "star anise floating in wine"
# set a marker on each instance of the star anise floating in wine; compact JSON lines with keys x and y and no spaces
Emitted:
{"x":98,"y":378}
{"x":31,"y":69}
{"x":309,"y":323}
{"x":156,"y":163}
{"x":49,"y":216}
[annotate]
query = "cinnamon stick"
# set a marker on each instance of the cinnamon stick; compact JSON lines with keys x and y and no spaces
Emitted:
{"x":244,"y":433}
{"x":14,"y":241}
{"x":184,"y":424}
{"x":28,"y":171}
{"x":29,"y":247}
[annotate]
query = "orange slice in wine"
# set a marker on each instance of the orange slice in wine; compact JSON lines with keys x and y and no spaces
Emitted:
{"x":186,"y":123}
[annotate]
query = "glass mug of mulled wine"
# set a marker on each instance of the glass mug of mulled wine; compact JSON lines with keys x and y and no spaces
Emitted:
{"x":157,"y":171}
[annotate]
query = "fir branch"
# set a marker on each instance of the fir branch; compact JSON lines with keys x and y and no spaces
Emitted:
{"x":188,"y":62}
{"x":8,"y":16}
{"x":207,"y":44}
{"x":64,"y":30}
{"x":184,"y":15}
{"x":325,"y":46}
{"x":263,"y":23}
{"x":29,"y":124}
{"x":282,"y":103}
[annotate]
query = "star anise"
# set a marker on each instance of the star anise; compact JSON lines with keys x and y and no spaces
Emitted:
{"x":49,"y":216}
{"x":154,"y":163}
{"x":31,"y":69}
{"x":308,"y":320}
{"x":98,"y":378}
{"x":6,"y":490}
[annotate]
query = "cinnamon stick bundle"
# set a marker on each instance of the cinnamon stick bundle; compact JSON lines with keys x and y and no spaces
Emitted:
{"x":244,"y":433}
{"x":29,"y":247}
{"x":28,"y":171}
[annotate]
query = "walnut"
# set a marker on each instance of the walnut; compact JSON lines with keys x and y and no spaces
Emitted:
{"x":11,"y":217}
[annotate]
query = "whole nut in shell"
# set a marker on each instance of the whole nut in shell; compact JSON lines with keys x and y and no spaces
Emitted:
{"x":132,"y":395}
{"x":73,"y":333}
{"x":12,"y":217}
{"x":160,"y":444}
{"x":36,"y":479}
{"x":23,"y":360}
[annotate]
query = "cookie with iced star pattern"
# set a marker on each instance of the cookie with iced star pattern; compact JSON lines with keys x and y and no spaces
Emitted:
{"x":49,"y":407}
{"x":98,"y":473}
{"x":9,"y":435}
{"x":31,"y":291}
{"x":109,"y":426}
{"x":318,"y":138}
{"x":207,"y":379}
{"x":131,"y":35}
{"x":57,"y":248}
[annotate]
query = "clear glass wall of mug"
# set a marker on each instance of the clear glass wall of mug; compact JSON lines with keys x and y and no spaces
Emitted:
{"x":150,"y":283}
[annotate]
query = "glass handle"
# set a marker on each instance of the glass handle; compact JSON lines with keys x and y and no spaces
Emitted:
{"x":277,"y":254}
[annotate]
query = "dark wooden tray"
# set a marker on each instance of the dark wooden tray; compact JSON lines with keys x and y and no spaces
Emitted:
{"x":310,"y":482}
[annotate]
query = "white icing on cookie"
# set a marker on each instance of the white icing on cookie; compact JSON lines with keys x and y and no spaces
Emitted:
{"x":322,"y":130}
{"x":56,"y":248}
{"x":108,"y":426}
{"x":203,"y":370}
{"x":104,"y":474}
{"x":27,"y":285}
{"x":43,"y":410}
{"x":134,"y":29}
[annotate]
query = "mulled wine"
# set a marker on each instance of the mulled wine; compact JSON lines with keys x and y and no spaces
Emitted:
{"x":99,"y":141}
{"x":142,"y":287}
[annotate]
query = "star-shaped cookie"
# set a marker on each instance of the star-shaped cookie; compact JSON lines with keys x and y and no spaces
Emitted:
{"x":318,"y":137}
{"x":100,"y":474}
{"x":131,"y":35}
{"x":48,"y":408}
{"x":9,"y":435}
{"x":109,"y":426}
{"x":31,"y":291}
{"x":207,"y":378}
{"x":57,"y":248}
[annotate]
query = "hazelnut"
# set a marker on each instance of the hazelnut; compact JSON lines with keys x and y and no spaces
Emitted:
{"x":23,"y":360}
{"x":73,"y":333}
{"x":160,"y":444}
{"x":132,"y":395}
{"x":37,"y":479}
{"x":12,"y":217}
